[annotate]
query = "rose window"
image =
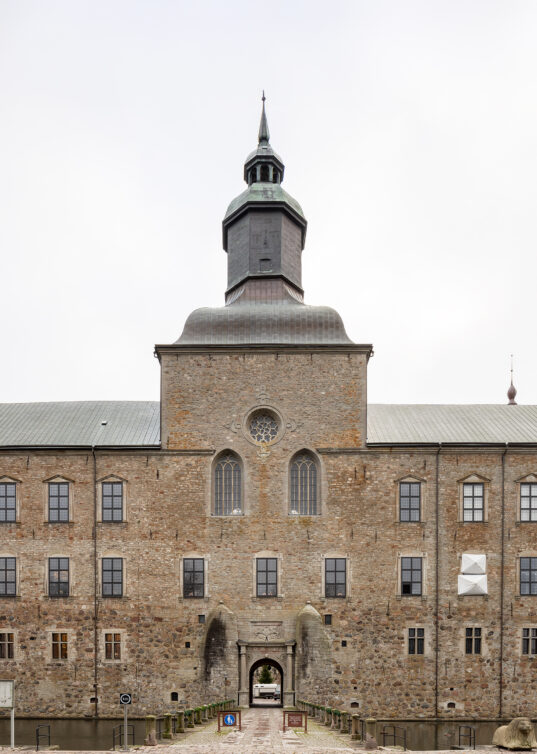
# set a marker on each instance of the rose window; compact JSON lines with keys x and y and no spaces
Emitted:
{"x":263,"y":427}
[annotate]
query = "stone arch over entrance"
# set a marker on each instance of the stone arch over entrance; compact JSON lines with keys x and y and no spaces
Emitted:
{"x":279,"y":653}
{"x":258,"y":664}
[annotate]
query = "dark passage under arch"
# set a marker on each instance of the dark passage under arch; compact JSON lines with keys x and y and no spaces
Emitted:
{"x":278,"y":673}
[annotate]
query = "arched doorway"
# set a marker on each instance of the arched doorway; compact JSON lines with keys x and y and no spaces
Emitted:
{"x":266,"y":694}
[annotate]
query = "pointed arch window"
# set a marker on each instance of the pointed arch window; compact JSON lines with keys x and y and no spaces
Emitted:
{"x":227,"y":485}
{"x":304,"y":484}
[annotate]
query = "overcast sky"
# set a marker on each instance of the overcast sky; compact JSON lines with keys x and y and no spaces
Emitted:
{"x":408,"y":130}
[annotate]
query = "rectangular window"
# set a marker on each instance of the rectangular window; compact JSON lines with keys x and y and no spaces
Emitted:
{"x":528,"y":502}
{"x":58,"y":502}
{"x":335,"y":577}
{"x":112,"y":493}
{"x":112,"y":577}
{"x":112,"y":646}
{"x":416,"y":641}
{"x":193,"y":577}
{"x":8,"y":577}
{"x":8,"y":509}
{"x":59,"y":646}
{"x":528,"y":575}
{"x":411,"y":576}
{"x":473,"y":641}
{"x":58,"y":577}
{"x":409,"y":501}
{"x":7,"y":646}
{"x":267,"y":577}
{"x":472,"y":502}
{"x":529,"y":641}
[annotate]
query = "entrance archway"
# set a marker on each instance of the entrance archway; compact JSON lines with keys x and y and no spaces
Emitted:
{"x":268,"y":695}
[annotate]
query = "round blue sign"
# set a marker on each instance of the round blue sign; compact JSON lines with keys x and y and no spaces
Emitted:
{"x":229,"y":720}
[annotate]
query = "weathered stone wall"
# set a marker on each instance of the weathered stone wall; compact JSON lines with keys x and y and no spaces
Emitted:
{"x":320,"y":398}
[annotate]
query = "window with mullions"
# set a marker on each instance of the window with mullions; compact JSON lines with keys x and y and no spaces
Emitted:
{"x":416,"y":641}
{"x":112,"y":496}
{"x":193,"y":577}
{"x":528,"y":502}
{"x":411,"y":576}
{"x":472,"y":502}
{"x":409,"y":501}
{"x":473,"y":641}
{"x":7,"y":646}
{"x":8,"y":502}
{"x":335,"y":577}
{"x":267,"y":577}
{"x":529,"y":641}
{"x":8,"y":577}
{"x":528,"y":575}
{"x":58,"y":502}
{"x":112,"y":577}
{"x":59,"y":646}
{"x":112,"y":646}
{"x":58,"y":577}
{"x":304,"y":485}
{"x":227,"y":485}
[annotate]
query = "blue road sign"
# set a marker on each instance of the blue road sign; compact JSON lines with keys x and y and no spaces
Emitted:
{"x":229,"y":720}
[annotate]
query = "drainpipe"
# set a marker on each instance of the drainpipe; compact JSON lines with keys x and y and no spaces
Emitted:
{"x":502,"y":580}
{"x":95,"y":585}
{"x":437,"y":596}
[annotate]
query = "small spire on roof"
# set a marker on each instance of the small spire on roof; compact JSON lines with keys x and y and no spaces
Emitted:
{"x":511,"y":393}
{"x":264,"y":134}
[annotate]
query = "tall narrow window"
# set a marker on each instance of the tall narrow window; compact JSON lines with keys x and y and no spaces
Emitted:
{"x":193,"y":577}
{"x":264,"y":173}
{"x":8,"y":509}
{"x":58,"y":577}
{"x":112,"y":577}
{"x":8,"y":577}
{"x":416,"y":641}
{"x":112,"y":494}
{"x":59,"y":646}
{"x":409,"y":501}
{"x":112,"y":646}
{"x":7,"y":646}
{"x":304,"y":484}
{"x":529,"y":641}
{"x":267,"y":577}
{"x":227,"y":485}
{"x":528,"y":575}
{"x":58,"y":502}
{"x":473,"y":641}
{"x":335,"y":577}
{"x":411,"y":576}
{"x":528,"y":502}
{"x":472,"y":502}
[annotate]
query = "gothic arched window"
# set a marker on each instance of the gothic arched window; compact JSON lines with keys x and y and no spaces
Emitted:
{"x":227,"y":485}
{"x":304,"y":487}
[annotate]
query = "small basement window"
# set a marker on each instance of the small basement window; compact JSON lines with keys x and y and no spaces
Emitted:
{"x":175,"y":696}
{"x":327,"y":620}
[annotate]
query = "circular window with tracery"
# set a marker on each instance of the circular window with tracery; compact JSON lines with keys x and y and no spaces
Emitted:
{"x":263,"y":426}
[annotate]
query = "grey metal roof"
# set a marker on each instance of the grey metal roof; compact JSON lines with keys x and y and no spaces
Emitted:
{"x":79,"y":423}
{"x":433,"y":423}
{"x":259,"y":193}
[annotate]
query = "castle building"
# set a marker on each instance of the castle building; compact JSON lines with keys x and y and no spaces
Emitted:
{"x":382,"y":558}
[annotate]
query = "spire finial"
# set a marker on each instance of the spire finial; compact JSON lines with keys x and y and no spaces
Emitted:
{"x":511,"y":393}
{"x":264,"y":134}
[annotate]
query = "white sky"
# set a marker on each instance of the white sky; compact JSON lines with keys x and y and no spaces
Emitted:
{"x":408,"y":130}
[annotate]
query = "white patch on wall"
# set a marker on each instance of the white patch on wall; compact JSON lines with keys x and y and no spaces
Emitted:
{"x":473,"y":577}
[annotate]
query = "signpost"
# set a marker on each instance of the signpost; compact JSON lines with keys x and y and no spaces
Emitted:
{"x":295,"y":719}
{"x":125,"y":700}
{"x":229,"y":719}
{"x":7,"y":701}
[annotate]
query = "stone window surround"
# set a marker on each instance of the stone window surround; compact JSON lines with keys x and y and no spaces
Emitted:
{"x":124,"y":482}
{"x":530,"y":478}
{"x":205,"y":558}
{"x":412,"y":479}
{"x":320,"y":482}
{"x":424,"y":570}
{"x":46,"y":575}
{"x":426,"y":641}
{"x":484,"y":643}
{"x":218,"y":454}
{"x":102,"y":649}
{"x":17,"y":576}
{"x":58,"y":478}
{"x":279,"y":574}
{"x":520,"y":632}
{"x":473,"y":478}
{"x":11,"y":480}
{"x":14,"y":631}
{"x":516,"y":592}
{"x":335,"y":554}
{"x":71,"y":653}
{"x":112,"y":554}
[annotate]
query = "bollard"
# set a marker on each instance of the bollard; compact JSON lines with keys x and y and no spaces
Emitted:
{"x":327,"y":716}
{"x":344,"y":722}
{"x":189,"y":715}
{"x":204,"y":715}
{"x":197,"y":716}
{"x":355,"y":727}
{"x":180,"y":721}
{"x":150,"y":730}
{"x":333,"y":723}
{"x":371,"y":727}
{"x":167,"y":733}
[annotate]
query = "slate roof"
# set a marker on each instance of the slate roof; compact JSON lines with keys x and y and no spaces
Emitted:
{"x":137,"y":424}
